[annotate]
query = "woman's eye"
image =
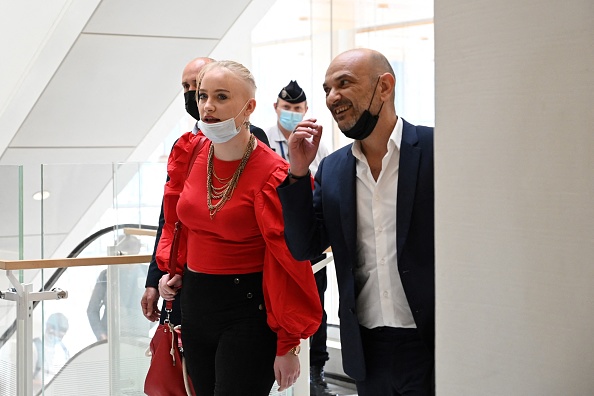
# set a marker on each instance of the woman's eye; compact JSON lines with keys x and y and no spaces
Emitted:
{"x":201,"y":96}
{"x":222,"y":96}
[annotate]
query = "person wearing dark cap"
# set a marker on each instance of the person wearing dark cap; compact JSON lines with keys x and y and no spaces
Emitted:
{"x":291,"y":106}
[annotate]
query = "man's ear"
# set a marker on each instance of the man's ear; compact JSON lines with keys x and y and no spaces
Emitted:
{"x":387,"y":85}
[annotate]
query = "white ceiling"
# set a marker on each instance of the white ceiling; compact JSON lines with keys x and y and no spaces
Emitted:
{"x":94,"y":82}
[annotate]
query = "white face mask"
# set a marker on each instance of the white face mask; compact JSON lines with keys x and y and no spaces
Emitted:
{"x":221,"y":132}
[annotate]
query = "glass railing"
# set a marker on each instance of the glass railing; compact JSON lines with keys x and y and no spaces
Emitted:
{"x":47,"y":211}
{"x":94,"y":339}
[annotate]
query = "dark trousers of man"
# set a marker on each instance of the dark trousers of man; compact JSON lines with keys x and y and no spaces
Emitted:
{"x":397,"y":363}
{"x":318,"y":353}
{"x":228,"y":346}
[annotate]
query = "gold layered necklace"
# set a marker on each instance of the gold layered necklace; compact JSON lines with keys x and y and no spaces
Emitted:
{"x":228,"y":184}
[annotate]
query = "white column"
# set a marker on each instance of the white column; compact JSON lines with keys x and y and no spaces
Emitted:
{"x":514,"y":163}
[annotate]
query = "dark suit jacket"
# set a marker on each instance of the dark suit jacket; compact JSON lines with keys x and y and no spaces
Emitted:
{"x":331,"y":220}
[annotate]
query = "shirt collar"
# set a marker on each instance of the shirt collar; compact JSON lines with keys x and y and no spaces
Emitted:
{"x":395,"y":136}
{"x":279,"y":135}
{"x":195,"y":129}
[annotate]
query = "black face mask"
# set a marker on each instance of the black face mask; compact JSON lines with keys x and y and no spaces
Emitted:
{"x":366,"y":122}
{"x":191,"y":105}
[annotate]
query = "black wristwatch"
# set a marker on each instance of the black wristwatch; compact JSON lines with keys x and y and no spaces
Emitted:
{"x":292,"y":176}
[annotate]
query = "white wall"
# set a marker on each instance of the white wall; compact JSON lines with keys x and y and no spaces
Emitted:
{"x":514,"y":151}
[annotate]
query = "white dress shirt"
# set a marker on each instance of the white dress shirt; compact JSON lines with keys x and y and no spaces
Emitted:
{"x":279,"y":143}
{"x":381,"y":300}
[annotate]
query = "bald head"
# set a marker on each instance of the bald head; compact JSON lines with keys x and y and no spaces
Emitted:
{"x":191,"y":71}
{"x":371,"y":62}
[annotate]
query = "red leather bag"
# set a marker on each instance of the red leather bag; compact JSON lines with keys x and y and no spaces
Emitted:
{"x":167,"y":374}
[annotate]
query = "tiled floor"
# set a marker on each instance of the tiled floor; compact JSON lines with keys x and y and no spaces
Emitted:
{"x":341,"y":389}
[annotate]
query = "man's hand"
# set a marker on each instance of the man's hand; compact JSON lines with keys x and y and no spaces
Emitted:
{"x":149,"y":304}
{"x":168,"y":288}
{"x":303,"y":145}
{"x":286,"y":370}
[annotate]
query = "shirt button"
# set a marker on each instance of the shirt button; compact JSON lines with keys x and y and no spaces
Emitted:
{"x":249,"y":295}
{"x":236,"y":281}
{"x":379,"y":229}
{"x":386,"y":294}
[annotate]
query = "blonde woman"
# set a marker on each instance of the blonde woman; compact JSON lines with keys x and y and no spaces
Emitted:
{"x":246,"y":302}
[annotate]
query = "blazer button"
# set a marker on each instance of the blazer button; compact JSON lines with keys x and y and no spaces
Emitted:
{"x":250,"y":295}
{"x":236,"y":281}
{"x":260,"y":307}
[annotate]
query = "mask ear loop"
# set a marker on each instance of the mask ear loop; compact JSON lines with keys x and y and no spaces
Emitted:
{"x":373,"y":96}
{"x":245,"y":122}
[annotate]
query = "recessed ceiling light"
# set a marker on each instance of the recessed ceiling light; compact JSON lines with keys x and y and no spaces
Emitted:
{"x":39,"y":195}
{"x":383,"y":5}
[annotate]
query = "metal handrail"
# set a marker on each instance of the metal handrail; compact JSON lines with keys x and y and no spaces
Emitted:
{"x":63,"y":264}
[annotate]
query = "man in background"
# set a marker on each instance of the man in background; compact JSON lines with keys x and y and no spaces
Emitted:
{"x":290,"y":107}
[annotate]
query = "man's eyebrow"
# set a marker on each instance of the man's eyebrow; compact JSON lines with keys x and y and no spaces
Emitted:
{"x":343,"y":76}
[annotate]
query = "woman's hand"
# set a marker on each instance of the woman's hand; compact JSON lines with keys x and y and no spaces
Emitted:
{"x":286,"y":370}
{"x":168,"y":288}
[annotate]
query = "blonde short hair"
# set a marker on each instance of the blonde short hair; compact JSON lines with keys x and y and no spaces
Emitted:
{"x":234,"y":67}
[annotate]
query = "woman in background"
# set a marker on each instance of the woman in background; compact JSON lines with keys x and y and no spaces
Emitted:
{"x":246,"y":302}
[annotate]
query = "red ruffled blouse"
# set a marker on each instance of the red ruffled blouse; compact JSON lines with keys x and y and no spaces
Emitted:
{"x":245,"y":236}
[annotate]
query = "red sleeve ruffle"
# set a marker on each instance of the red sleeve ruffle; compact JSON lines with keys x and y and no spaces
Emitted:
{"x":177,"y":170}
{"x":292,"y":302}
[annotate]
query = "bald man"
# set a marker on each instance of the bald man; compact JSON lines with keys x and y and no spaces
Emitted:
{"x":373,"y":204}
{"x":150,"y":298}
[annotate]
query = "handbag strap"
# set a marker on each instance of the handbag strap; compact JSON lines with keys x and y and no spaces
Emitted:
{"x":178,"y":225}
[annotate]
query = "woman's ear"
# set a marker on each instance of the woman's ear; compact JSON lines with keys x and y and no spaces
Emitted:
{"x":251,"y":106}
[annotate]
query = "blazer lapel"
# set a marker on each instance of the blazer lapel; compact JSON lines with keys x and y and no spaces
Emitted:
{"x":410,"y":156}
{"x":347,"y":179}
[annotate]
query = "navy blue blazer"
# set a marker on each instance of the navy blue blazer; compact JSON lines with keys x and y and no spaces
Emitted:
{"x":329,"y":218}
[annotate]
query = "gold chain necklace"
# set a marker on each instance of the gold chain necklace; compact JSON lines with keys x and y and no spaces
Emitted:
{"x":224,"y":193}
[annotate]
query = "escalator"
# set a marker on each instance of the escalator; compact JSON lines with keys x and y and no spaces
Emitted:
{"x":96,"y":357}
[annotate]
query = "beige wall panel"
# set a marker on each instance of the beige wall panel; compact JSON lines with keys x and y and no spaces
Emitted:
{"x":515,"y":197}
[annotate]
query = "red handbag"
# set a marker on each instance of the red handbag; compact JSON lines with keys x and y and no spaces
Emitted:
{"x":167,"y":374}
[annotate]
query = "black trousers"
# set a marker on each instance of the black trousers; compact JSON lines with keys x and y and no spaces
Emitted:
{"x":397,"y":363}
{"x":229,"y":348}
{"x":318,"y":353}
